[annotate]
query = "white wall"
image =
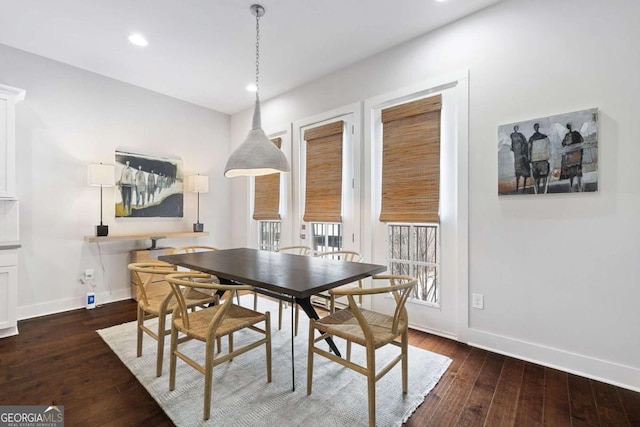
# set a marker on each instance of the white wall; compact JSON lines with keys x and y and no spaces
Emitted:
{"x":559,"y":273}
{"x":71,"y":118}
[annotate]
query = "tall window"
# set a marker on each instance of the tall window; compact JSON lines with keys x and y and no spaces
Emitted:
{"x":266,"y":208}
{"x":323,"y":195}
{"x":411,"y":191}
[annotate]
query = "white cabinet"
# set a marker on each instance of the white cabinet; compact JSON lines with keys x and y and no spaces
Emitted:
{"x":8,"y":292}
{"x":9,"y":96}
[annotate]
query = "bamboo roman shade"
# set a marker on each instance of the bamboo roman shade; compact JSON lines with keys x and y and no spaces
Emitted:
{"x":323,"y":195}
{"x":266,"y":204}
{"x":411,"y":161}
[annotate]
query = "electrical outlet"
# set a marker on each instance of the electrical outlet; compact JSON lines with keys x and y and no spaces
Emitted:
{"x":478,"y":301}
{"x":88,"y":274}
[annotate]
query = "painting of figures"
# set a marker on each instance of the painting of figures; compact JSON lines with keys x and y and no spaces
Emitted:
{"x":555,"y":154}
{"x":147,"y":185}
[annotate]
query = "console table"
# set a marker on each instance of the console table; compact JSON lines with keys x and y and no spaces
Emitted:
{"x":153,"y":236}
{"x":150,"y":253}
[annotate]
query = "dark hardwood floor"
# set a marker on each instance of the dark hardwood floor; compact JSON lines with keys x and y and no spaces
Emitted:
{"x":60,"y":359}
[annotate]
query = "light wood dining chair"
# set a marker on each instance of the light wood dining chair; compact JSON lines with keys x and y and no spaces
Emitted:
{"x":369,"y":329}
{"x":155,"y":300}
{"x":295,"y":250}
{"x":343,"y":255}
{"x":210,"y":324}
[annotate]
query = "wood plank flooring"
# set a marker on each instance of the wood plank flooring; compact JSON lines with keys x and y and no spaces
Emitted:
{"x":60,"y":359}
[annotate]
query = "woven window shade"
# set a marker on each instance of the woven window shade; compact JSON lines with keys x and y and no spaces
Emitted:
{"x":267,"y":194}
{"x":411,"y":161}
{"x":323,"y":201}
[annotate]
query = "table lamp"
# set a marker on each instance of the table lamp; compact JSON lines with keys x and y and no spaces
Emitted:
{"x":198,"y":184}
{"x":103,"y":176}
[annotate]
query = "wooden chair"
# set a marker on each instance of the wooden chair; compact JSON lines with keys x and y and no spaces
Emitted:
{"x":369,"y":329}
{"x":350,"y":256}
{"x":208,"y":325}
{"x":295,"y":250}
{"x":155,"y":299}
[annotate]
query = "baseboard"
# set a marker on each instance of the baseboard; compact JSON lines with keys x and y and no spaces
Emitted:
{"x":8,"y":332}
{"x":437,"y":332}
{"x":597,"y":369}
{"x":59,"y":306}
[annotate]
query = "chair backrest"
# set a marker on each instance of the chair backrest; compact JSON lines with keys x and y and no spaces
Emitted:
{"x":151,"y":269}
{"x":399,"y":286}
{"x":194,"y":248}
{"x":182,"y":283}
{"x":352,"y":256}
{"x":295,"y":250}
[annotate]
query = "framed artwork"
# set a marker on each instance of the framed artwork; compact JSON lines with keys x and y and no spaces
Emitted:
{"x":148,"y":185}
{"x":555,"y":154}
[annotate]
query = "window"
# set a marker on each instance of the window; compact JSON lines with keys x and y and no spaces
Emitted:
{"x":323,"y":202}
{"x":266,"y":208}
{"x":411,"y":191}
{"x":326,"y":236}
{"x":269,"y":238}
{"x":413,"y":250}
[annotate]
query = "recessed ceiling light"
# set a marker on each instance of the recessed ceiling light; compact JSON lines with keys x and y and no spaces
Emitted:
{"x":252,"y":87}
{"x":138,"y":40}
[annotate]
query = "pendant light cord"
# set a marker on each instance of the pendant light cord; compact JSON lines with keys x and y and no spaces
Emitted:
{"x":257,"y":52}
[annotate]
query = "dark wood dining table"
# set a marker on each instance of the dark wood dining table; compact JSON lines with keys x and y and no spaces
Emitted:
{"x":288,"y":277}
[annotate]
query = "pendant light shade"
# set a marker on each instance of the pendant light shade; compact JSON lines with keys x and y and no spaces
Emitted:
{"x":257,"y":155}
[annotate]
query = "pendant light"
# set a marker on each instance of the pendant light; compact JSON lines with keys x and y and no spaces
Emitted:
{"x":257,"y":155}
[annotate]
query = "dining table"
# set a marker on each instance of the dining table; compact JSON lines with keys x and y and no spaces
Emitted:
{"x":287,"y":277}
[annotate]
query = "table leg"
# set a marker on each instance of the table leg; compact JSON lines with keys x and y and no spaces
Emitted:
{"x":293,"y":368}
{"x":306,"y":305}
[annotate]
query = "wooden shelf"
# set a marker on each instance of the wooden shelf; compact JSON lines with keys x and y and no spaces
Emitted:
{"x":153,"y":236}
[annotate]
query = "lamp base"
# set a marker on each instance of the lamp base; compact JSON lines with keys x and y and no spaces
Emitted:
{"x":102,"y":230}
{"x":198,"y":227}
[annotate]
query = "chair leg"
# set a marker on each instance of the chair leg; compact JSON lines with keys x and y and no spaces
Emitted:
{"x":208,"y":378}
{"x":405,"y":365}
{"x":371,"y":384}
{"x":255,"y":301}
{"x":332,"y":307}
{"x":310,"y":356}
{"x":230,"y":345}
{"x":172,"y":359}
{"x":267,"y":331}
{"x":349,"y":350}
{"x":161,"y":333}
{"x":140,"y":332}
{"x":297,"y":318}
{"x":280,"y":304}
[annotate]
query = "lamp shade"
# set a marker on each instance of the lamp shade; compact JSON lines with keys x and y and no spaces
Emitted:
{"x":198,"y":183}
{"x":101,"y":175}
{"x":257,"y":155}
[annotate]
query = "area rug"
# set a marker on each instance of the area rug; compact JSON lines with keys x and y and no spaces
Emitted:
{"x":242,"y":396}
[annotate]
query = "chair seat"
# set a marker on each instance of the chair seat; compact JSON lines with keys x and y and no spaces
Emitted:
{"x":157,"y":293}
{"x":236,"y":318}
{"x":343,"y":324}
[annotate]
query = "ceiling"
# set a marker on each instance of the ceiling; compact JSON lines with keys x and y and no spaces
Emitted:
{"x":203,"y":51}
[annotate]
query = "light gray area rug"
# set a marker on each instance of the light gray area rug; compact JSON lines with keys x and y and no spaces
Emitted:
{"x":242,"y":396}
